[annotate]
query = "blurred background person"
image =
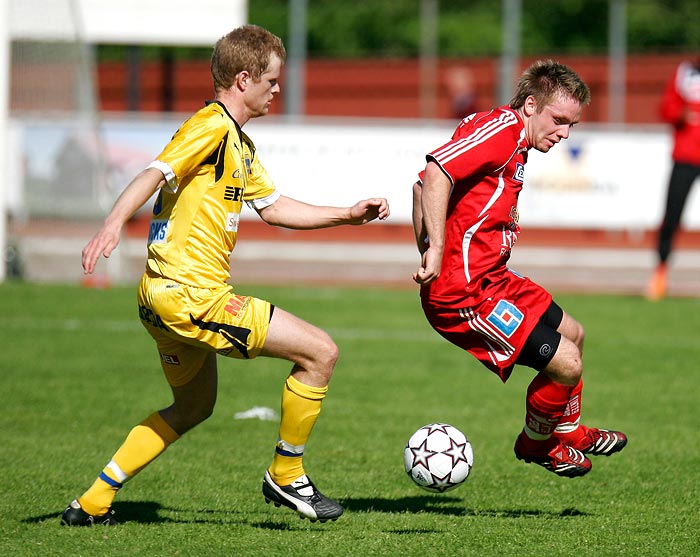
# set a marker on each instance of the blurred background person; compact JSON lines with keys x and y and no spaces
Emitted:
{"x":680,"y":107}
{"x":462,"y":93}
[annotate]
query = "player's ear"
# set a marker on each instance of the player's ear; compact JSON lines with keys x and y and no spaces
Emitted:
{"x":242,"y":79}
{"x":530,"y":106}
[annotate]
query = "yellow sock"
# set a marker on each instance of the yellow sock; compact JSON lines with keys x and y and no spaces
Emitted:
{"x":301,"y":405}
{"x":143,"y":444}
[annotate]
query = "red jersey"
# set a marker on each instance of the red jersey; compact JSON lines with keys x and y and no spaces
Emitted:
{"x":680,"y":107}
{"x":485,"y":162}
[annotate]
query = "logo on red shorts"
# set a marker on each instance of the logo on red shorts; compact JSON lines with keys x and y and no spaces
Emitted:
{"x":505,"y":317}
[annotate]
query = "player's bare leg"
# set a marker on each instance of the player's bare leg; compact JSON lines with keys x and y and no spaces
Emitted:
{"x":573,"y":330}
{"x":313,"y":354}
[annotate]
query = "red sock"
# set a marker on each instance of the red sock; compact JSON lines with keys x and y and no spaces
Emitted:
{"x":569,"y":429}
{"x":544,"y":406}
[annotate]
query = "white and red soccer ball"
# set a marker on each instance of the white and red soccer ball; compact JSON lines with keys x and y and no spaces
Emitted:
{"x":438,"y":457}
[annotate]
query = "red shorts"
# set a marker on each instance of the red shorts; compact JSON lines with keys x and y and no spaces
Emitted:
{"x":495,"y":330}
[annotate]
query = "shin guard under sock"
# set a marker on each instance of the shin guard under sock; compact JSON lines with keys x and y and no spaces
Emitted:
{"x":569,"y":429}
{"x":545,"y":405}
{"x":301,"y":405}
{"x":143,"y":444}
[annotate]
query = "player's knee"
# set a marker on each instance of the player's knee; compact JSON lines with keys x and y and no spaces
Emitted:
{"x":327,"y":354}
{"x":567,"y":365}
{"x":319,"y":357}
{"x":194,"y":419}
{"x":182,"y":423}
{"x":198,"y":415}
{"x":185,"y":414}
{"x":574,"y":370}
{"x":569,"y":374}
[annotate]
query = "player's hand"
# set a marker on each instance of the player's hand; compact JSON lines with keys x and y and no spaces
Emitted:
{"x":369,"y":209}
{"x":429,"y":269}
{"x":102,"y":244}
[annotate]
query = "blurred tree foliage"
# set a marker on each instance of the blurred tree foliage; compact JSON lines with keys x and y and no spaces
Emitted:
{"x":391,"y":28}
{"x":386,"y":28}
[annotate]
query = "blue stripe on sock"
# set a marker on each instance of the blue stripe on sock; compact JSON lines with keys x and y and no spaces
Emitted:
{"x":286,"y":453}
{"x":105,"y":478}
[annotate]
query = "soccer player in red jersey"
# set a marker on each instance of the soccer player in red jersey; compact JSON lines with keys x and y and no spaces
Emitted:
{"x":679,"y":107}
{"x":203,"y":176}
{"x":465,"y":215}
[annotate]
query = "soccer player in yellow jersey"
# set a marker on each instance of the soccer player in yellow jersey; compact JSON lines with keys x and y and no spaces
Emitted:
{"x":203,"y":176}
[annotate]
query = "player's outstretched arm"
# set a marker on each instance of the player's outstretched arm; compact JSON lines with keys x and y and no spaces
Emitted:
{"x":131,"y":200}
{"x":434,"y":197}
{"x":291,"y":213}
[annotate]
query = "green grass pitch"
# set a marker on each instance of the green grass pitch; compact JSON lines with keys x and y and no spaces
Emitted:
{"x":78,"y":371}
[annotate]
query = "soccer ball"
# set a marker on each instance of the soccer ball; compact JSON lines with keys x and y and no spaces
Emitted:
{"x":438,"y":457}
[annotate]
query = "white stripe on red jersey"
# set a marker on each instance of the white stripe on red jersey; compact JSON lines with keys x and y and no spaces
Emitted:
{"x":484,"y":160}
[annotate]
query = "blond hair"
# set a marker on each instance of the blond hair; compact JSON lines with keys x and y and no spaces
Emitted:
{"x":246,"y":48}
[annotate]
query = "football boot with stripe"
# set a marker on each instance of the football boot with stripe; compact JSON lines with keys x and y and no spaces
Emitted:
{"x":601,"y":442}
{"x":563,"y":460}
{"x":302,"y":497}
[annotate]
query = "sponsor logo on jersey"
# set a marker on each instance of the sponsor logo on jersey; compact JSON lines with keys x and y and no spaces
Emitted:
{"x":508,"y":239}
{"x":513,"y":224}
{"x":158,"y":231}
{"x":232,"y":193}
{"x":232,"y":220}
{"x":236,"y":173}
{"x":519,"y":175}
{"x":514,"y":215}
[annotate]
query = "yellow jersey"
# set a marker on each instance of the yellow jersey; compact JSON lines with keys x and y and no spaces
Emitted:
{"x":211,"y":168}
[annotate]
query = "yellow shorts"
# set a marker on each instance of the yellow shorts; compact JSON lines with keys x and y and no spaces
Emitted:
{"x":188,"y":323}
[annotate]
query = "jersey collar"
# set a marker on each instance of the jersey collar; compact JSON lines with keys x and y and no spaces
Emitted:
{"x":223,"y":106}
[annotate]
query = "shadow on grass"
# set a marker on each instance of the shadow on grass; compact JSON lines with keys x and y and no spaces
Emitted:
{"x":145,"y":512}
{"x":272,"y":525}
{"x":453,"y":506}
{"x":149,"y":512}
{"x":415,"y":504}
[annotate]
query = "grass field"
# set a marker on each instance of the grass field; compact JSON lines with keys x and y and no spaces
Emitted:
{"x":78,"y":371}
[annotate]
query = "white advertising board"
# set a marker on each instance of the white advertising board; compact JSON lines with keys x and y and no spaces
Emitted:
{"x":339,"y":164}
{"x":598,"y":178}
{"x":601,"y":179}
